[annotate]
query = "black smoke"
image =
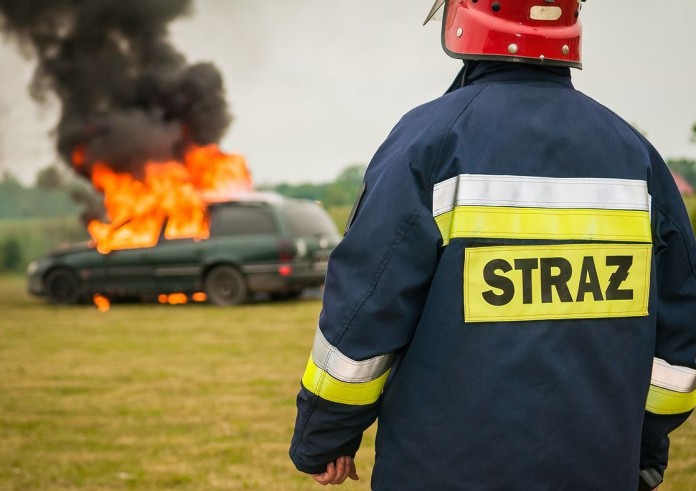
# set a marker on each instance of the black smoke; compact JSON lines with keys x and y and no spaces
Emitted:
{"x":127,"y":95}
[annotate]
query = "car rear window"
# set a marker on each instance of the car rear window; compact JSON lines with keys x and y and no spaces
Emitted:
{"x":242,"y":220}
{"x":309,"y":219}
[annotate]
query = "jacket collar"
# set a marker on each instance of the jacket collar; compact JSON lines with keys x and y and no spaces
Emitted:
{"x":477,"y":72}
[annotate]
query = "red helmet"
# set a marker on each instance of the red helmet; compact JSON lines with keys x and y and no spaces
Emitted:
{"x":528,"y":31}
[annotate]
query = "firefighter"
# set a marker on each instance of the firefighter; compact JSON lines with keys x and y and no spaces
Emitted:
{"x":515,"y":295}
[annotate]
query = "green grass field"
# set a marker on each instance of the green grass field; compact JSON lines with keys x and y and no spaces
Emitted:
{"x":150,"y":397}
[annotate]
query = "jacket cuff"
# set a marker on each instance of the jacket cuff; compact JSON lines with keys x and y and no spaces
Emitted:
{"x":649,"y":479}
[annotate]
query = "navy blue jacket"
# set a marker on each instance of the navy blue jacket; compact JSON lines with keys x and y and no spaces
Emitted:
{"x":515,"y":299}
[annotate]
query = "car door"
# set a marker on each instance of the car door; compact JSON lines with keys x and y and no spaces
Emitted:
{"x":128,"y":272}
{"x":244,"y":235}
{"x":177,"y":265}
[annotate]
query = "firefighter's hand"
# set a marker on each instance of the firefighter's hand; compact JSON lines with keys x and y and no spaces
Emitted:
{"x":337,"y":472}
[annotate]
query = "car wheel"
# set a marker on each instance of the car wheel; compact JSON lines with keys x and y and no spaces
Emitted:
{"x":63,"y":287}
{"x":224,"y":285}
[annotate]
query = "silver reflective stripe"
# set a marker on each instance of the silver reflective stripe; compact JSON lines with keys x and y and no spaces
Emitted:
{"x":673,"y":377}
{"x":340,"y":367}
{"x":540,"y":192}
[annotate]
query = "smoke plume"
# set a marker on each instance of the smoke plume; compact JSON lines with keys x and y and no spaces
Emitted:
{"x":126,"y":94}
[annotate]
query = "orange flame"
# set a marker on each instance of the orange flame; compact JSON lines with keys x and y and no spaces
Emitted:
{"x":79,"y":156}
{"x":175,"y":193}
{"x":177,"y":299}
{"x":101,"y":302}
{"x":199,"y":297}
{"x":218,"y":175}
{"x":172,"y":298}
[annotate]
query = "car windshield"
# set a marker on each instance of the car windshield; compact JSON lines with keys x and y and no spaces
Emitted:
{"x":242,"y":220}
{"x":308,"y":219}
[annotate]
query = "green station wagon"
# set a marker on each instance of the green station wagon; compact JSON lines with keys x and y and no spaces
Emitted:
{"x":263,"y":243}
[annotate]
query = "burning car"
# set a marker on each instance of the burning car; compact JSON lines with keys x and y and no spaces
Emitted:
{"x":256,"y":243}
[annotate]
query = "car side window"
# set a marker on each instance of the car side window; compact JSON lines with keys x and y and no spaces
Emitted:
{"x":309,"y":220}
{"x":242,"y":220}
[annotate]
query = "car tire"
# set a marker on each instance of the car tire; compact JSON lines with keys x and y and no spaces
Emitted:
{"x":225,"y":285}
{"x":63,"y":287}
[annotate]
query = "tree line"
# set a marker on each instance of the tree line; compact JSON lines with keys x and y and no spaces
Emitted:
{"x":337,"y":193}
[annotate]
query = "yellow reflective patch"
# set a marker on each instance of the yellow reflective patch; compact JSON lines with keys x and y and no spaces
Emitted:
{"x":572,"y":281}
{"x":544,"y":223}
{"x":320,"y":383}
{"x":663,"y":401}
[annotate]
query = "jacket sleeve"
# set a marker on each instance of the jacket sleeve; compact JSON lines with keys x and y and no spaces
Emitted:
{"x":672,"y":394}
{"x":376,"y":286}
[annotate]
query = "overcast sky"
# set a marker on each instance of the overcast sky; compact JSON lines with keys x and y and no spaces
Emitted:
{"x":315,"y":86}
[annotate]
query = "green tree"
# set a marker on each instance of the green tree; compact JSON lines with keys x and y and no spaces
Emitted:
{"x":685,"y":167}
{"x":11,"y":255}
{"x":49,"y":178}
{"x":10,"y":181}
{"x":340,"y":192}
{"x":352,"y":175}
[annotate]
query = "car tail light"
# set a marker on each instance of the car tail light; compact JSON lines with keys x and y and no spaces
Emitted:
{"x":286,"y":253}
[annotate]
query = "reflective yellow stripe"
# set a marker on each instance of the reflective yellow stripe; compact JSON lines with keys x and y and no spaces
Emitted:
{"x":320,"y":383}
{"x":663,"y":401}
{"x":544,"y":223}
